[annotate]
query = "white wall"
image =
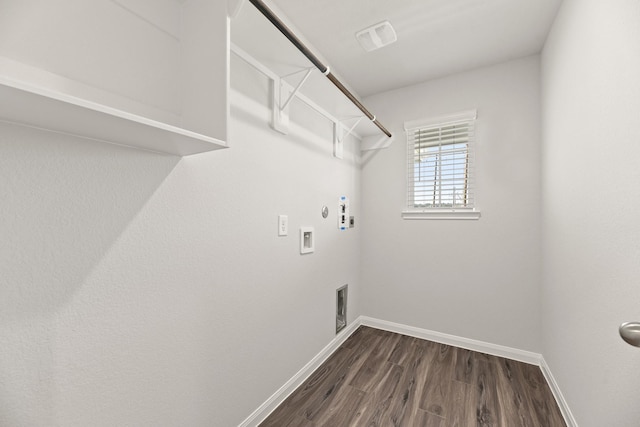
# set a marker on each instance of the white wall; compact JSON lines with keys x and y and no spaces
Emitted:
{"x":158,"y":59}
{"x":475,"y":279}
{"x":142,"y":289}
{"x":102,"y":46}
{"x":591,"y":111}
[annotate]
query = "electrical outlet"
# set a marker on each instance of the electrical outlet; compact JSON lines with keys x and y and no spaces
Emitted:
{"x":283,"y":225}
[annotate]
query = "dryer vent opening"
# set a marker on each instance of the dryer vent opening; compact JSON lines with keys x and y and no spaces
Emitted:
{"x":341,"y":308}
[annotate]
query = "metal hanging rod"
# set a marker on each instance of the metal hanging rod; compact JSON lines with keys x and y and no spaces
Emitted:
{"x":315,"y":61}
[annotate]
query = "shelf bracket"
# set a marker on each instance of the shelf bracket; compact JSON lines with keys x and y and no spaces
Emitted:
{"x":278,"y":86}
{"x":297,"y":88}
{"x":280,"y":110}
{"x":279,"y":116}
{"x":372,"y":143}
{"x":234,"y":6}
{"x":339,"y":135}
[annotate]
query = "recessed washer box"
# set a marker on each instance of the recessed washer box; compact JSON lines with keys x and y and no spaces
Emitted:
{"x":307,"y":240}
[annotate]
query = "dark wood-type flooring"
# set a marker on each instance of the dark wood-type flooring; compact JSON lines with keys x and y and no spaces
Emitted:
{"x":379,"y":378}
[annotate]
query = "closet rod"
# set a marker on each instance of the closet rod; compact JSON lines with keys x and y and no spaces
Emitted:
{"x":259,"y":4}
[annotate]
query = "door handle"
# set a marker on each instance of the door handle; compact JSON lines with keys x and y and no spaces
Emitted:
{"x":630,"y":332}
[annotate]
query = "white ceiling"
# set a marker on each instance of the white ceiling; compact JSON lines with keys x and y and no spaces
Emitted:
{"x":435,"y":37}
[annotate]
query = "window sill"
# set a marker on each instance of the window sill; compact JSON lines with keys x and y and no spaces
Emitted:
{"x":441,"y":214}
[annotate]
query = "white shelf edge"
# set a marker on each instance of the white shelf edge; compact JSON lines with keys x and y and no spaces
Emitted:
{"x":38,"y":107}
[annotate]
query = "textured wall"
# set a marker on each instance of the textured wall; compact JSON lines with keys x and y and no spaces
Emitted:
{"x":102,"y":44}
{"x":141,"y":289}
{"x":475,"y":279}
{"x":591,"y":107}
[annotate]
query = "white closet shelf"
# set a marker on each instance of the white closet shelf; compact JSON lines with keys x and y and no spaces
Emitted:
{"x":41,"y":108}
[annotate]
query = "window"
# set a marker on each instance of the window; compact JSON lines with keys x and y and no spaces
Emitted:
{"x":440,"y":181}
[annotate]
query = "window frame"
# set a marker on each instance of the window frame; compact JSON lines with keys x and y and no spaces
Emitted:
{"x":411,"y":212}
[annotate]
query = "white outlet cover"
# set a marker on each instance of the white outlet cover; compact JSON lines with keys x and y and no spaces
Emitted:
{"x":283,"y":225}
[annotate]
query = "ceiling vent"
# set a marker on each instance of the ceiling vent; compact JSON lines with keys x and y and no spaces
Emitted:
{"x":376,"y":36}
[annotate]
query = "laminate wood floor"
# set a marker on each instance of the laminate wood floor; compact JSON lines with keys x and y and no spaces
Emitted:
{"x":379,"y":378}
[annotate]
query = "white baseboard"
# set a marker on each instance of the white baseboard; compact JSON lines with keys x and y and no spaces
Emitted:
{"x":562,"y":403}
{"x":300,"y":377}
{"x":469,"y":344}
{"x":482,"y":347}
{"x":290,"y":386}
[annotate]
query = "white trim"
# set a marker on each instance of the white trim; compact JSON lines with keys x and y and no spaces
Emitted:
{"x":260,"y":414}
{"x":453,"y":340}
{"x":438,"y":213}
{"x":264,"y":410}
{"x":562,"y":403}
{"x":483,"y":347}
{"x":426,"y":180}
{"x":37,"y":107}
{"x":447,"y":118}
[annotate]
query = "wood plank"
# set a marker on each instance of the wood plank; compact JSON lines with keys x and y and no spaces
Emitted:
{"x":323,"y":382}
{"x":299,"y":421}
{"x":340,"y":374}
{"x":435,"y":394}
{"x":425,"y":419}
{"x":289,"y":410}
{"x":544,"y":405}
{"x":464,"y":366}
{"x":376,"y":405}
{"x":487,"y":406}
{"x":378,"y":378}
{"x":404,"y":410}
{"x":356,"y":337}
{"x":462,"y":405}
{"x":401,"y":351}
{"x":345,"y":410}
{"x":370,"y":373}
{"x":512,"y":394}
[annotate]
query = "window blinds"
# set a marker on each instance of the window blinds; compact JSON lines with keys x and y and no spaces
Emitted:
{"x":440,"y":162}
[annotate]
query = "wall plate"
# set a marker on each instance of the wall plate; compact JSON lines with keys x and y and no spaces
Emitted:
{"x":343,"y":213}
{"x":307,"y":240}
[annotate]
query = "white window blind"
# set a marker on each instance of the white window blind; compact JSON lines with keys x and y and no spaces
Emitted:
{"x":440,"y":155}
